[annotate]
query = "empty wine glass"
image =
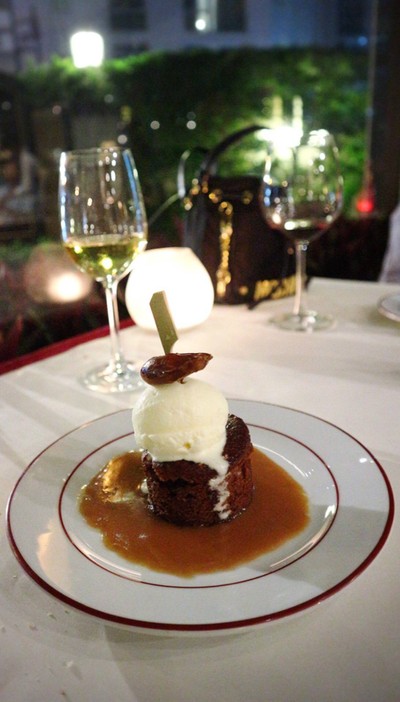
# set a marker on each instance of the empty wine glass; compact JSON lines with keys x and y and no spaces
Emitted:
{"x":301,"y":196}
{"x":103,"y":228}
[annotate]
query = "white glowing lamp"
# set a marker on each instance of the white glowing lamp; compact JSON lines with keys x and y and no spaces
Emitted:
{"x":182,"y":276}
{"x":50,"y":276}
{"x":87,"y":49}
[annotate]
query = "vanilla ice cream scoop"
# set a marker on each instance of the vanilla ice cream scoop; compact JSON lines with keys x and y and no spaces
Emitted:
{"x":182,"y":420}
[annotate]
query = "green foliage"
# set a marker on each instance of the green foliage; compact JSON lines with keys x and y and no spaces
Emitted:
{"x":219,"y":90}
{"x":59,"y":82}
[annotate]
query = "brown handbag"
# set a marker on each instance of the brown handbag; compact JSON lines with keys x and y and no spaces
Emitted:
{"x":246,"y":259}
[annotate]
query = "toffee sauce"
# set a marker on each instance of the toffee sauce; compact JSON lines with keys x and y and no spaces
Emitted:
{"x":114,"y":503}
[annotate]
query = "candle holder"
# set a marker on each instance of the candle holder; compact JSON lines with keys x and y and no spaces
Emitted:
{"x":182,"y":276}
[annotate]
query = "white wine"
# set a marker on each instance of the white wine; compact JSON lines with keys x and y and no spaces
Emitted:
{"x":104,"y":256}
{"x":103,"y":228}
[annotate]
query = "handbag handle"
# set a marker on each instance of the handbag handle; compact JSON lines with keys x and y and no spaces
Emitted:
{"x":182,"y":186}
{"x":211,"y":157}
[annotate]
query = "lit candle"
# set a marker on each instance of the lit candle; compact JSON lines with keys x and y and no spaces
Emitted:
{"x":182,"y":276}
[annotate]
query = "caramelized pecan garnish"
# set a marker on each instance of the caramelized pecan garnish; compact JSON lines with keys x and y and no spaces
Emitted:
{"x":161,"y":370}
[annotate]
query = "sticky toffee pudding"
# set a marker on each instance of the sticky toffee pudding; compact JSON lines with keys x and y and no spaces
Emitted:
{"x":196,"y":456}
{"x":196,"y":497}
{"x":114,"y":503}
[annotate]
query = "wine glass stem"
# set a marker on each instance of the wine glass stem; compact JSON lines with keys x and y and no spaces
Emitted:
{"x":300,"y":299}
{"x":118,"y":360}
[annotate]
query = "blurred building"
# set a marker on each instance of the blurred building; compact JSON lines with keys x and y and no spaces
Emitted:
{"x":35,"y":30}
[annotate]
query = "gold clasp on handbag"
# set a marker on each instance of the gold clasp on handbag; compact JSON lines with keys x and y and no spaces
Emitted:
{"x":215,"y":196}
{"x":247,"y":197}
{"x":193,"y":192}
{"x":223,"y":276}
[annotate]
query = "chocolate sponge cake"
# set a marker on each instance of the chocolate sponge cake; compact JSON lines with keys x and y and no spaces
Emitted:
{"x":188,"y":493}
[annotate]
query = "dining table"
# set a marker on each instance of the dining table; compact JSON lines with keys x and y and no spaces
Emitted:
{"x":323,"y":626}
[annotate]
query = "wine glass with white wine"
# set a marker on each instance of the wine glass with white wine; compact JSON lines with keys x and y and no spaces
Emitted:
{"x":103,"y":229}
{"x":301,"y":197}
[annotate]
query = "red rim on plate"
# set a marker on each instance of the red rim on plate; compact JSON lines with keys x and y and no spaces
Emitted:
{"x":66,"y":558}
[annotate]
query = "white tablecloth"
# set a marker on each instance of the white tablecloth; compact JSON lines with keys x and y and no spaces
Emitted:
{"x":346,"y":649}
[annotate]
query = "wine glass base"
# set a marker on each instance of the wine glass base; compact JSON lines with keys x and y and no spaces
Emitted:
{"x":110,"y":379}
{"x":305,"y":322}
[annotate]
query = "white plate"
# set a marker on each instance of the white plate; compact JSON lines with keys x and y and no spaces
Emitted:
{"x":351,"y":511}
{"x":389,"y":306}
